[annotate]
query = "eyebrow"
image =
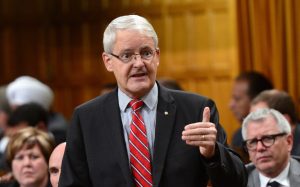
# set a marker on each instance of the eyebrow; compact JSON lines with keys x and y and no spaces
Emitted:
{"x":133,"y":49}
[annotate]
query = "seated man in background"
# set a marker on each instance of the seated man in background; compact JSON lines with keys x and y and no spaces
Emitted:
{"x":283,"y":102}
{"x":55,"y":163}
{"x":269,"y":141}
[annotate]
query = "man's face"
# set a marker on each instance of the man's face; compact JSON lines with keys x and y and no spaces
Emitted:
{"x":55,"y":164}
{"x":240,"y":101}
{"x":137,"y":77}
{"x":270,"y":161}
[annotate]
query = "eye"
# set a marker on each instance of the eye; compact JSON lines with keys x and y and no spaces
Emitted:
{"x":267,"y":139}
{"x":126,"y":56}
{"x":53,"y":170}
{"x":147,"y":53}
{"x":18,"y":157}
{"x":34,"y":157}
{"x":252,"y":142}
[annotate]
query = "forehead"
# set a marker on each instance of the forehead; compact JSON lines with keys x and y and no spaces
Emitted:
{"x":132,"y":39}
{"x":57,"y":155}
{"x":26,"y":150}
{"x":265,"y":126}
{"x":241,"y":86}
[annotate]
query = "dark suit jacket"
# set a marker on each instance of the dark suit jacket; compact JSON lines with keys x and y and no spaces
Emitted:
{"x":294,"y":174}
{"x":96,"y":153}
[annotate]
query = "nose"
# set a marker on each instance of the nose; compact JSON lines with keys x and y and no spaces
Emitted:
{"x":260,"y":146}
{"x":135,"y":56}
{"x":26,"y":161}
{"x":138,"y":61}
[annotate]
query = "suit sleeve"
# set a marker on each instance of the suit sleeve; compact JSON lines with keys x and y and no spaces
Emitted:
{"x":74,"y":165}
{"x":226,"y":167}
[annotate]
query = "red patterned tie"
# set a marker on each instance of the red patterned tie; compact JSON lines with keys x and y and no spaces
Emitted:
{"x":139,"y":148}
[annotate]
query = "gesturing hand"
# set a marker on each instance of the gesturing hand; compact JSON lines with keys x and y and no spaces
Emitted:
{"x":202,"y":134}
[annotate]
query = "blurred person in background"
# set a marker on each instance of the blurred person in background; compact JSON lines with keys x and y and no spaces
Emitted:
{"x":108,"y":87}
{"x":55,"y":163}
{"x":26,"y":89}
{"x":27,"y":115}
{"x":246,"y":86}
{"x":282,"y":102}
{"x":169,"y":83}
{"x":4,"y":115}
{"x":27,"y":155}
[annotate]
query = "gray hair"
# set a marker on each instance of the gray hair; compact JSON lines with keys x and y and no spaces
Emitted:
{"x":262,"y":114}
{"x":133,"y":22}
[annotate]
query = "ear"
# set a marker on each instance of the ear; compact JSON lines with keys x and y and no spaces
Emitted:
{"x":290,"y":142}
{"x":107,"y":61}
{"x":157,"y":56}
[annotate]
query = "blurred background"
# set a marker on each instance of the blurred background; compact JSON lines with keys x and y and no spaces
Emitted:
{"x":204,"y":44}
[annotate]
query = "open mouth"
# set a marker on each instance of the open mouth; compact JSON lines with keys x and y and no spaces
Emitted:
{"x":139,"y":75}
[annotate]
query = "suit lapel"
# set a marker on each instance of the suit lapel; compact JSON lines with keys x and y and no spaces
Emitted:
{"x":294,"y":172}
{"x":116,"y":135}
{"x":165,"y":116}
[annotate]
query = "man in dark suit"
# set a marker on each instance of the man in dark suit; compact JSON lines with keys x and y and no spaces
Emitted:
{"x":161,"y":143}
{"x":269,"y":141}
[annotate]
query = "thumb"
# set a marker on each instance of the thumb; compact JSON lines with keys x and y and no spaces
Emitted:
{"x":206,"y":115}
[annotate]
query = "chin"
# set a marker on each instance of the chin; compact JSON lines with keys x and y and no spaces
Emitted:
{"x":139,"y":91}
{"x":266,"y":167}
{"x":141,"y":87}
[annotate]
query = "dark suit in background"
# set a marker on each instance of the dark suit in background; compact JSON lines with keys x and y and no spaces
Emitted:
{"x":294,"y":174}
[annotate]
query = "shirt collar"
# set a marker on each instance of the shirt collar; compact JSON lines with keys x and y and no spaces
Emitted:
{"x":150,"y":99}
{"x":282,"y":178}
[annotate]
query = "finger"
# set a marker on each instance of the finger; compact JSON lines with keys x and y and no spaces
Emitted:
{"x":206,"y":115}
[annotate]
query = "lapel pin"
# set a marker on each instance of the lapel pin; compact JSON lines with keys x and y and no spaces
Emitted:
{"x":166,"y":113}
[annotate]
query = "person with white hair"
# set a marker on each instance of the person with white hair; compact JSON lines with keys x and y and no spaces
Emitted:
{"x":27,"y":89}
{"x":141,"y":133}
{"x":269,"y":141}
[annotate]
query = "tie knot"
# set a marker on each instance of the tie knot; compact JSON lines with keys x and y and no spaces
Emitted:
{"x":273,"y":184}
{"x":136,"y":104}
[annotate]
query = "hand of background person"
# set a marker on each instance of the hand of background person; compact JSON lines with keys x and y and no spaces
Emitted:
{"x":202,"y":134}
